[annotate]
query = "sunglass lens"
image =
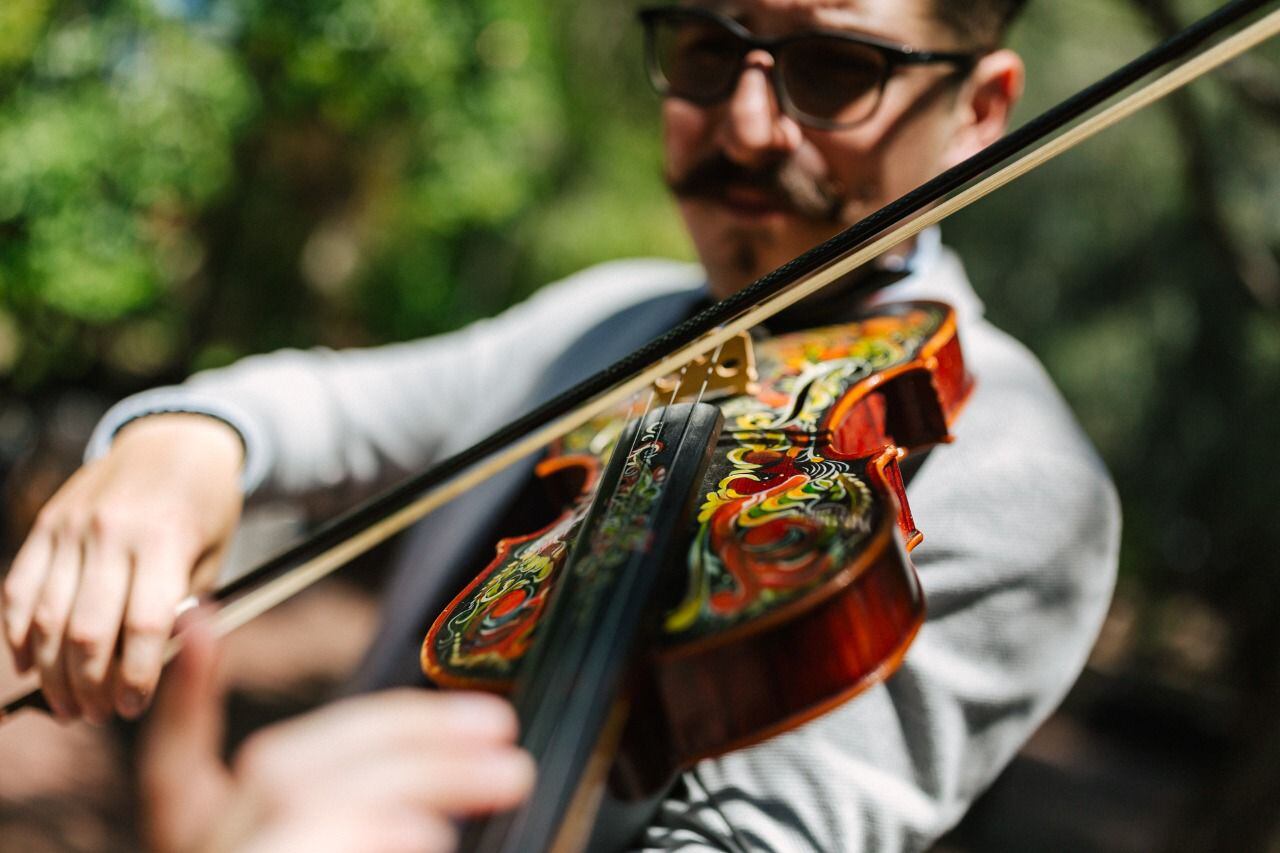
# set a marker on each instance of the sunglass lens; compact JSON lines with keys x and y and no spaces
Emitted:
{"x":831,"y":79}
{"x":695,"y":58}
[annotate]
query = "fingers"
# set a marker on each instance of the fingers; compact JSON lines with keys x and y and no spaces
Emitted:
{"x":72,"y":596}
{"x":190,"y":703}
{"x":183,"y":736}
{"x":74,"y":593}
{"x":449,"y":753}
{"x":159,"y":584}
{"x":90,"y":597}
{"x":48,"y":625}
{"x":94,"y":626}
{"x":392,"y":766}
{"x":184,"y":783}
{"x":342,"y":828}
{"x":456,"y":781}
{"x":381,"y":773}
{"x":28,"y":578}
{"x":381,"y":724}
{"x":21,"y":590}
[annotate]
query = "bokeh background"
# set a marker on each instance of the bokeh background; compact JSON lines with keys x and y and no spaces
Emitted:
{"x":184,"y":182}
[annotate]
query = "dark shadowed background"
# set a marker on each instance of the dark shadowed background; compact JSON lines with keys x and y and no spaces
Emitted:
{"x":184,"y":182}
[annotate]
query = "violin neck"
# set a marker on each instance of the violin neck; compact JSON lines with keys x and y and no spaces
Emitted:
{"x":571,"y":691}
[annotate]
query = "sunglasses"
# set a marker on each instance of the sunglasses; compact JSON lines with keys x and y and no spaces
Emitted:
{"x":826,"y":80}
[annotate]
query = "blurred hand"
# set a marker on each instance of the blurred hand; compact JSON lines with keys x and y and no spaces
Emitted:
{"x":91,"y":597}
{"x":382,"y":772}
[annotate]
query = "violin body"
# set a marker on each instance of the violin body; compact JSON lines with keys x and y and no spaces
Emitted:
{"x":797,"y":592}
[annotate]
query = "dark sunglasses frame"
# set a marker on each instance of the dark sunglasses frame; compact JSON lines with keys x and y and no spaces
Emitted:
{"x":894,"y":55}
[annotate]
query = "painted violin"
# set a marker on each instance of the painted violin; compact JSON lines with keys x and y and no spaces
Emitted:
{"x":732,"y":570}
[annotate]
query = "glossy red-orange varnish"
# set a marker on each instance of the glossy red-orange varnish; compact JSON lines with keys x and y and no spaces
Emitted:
{"x":719,"y":696}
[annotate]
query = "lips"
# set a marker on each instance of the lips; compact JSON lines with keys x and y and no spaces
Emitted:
{"x":753,"y":200}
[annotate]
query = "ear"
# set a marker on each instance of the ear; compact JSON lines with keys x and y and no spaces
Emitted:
{"x":984,"y":104}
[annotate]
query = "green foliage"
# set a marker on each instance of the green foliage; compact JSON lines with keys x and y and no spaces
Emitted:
{"x":1137,"y":268}
{"x":250,"y":174}
{"x":116,"y":130}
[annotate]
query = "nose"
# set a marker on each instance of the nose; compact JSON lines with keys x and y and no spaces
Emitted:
{"x":754,"y":130}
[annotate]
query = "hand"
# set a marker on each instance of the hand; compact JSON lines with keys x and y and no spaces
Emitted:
{"x":381,"y":772}
{"x":111,"y":556}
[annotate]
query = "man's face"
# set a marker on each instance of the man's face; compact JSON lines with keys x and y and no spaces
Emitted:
{"x":757,"y":188}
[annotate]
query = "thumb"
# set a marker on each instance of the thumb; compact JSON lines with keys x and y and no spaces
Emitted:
{"x":183,"y":779}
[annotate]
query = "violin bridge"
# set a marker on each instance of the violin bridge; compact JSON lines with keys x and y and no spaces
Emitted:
{"x":733,"y":374}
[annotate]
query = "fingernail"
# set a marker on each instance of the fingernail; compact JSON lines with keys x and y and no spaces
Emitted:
{"x":61,"y":713}
{"x":132,"y":702}
{"x":482,"y":713}
{"x":513,"y":770}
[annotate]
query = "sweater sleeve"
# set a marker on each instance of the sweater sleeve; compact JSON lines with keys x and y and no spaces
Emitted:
{"x":318,"y":420}
{"x":1021,"y":527}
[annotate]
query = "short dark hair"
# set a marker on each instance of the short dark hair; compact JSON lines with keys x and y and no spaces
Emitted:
{"x":979,"y":23}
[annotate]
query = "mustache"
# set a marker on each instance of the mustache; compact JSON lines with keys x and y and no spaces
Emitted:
{"x":786,"y":183}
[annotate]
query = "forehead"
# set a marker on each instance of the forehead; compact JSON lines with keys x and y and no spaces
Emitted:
{"x":899,"y":20}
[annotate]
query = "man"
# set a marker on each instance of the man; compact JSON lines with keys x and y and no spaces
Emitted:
{"x":785,"y":121}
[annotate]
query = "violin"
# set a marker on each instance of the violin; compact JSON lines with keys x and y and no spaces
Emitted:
{"x":733,"y":569}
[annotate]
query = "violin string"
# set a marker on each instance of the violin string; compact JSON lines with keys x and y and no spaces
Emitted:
{"x":592,"y":667}
{"x":558,"y":722}
{"x":711,"y":366}
{"x":589,"y":668}
{"x":633,"y":495}
{"x":564,"y":674}
{"x":579,"y":641}
{"x":545,"y":722}
{"x":565,"y":737}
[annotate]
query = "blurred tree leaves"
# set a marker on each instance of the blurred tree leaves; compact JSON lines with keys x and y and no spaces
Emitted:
{"x":1142,"y":268}
{"x":1122,"y":265}
{"x":116,"y":130}
{"x":185,"y":181}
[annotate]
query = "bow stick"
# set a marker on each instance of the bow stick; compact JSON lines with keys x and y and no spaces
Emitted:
{"x":344,"y":538}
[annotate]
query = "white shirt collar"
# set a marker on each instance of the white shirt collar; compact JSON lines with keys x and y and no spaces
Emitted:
{"x":935,"y":272}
